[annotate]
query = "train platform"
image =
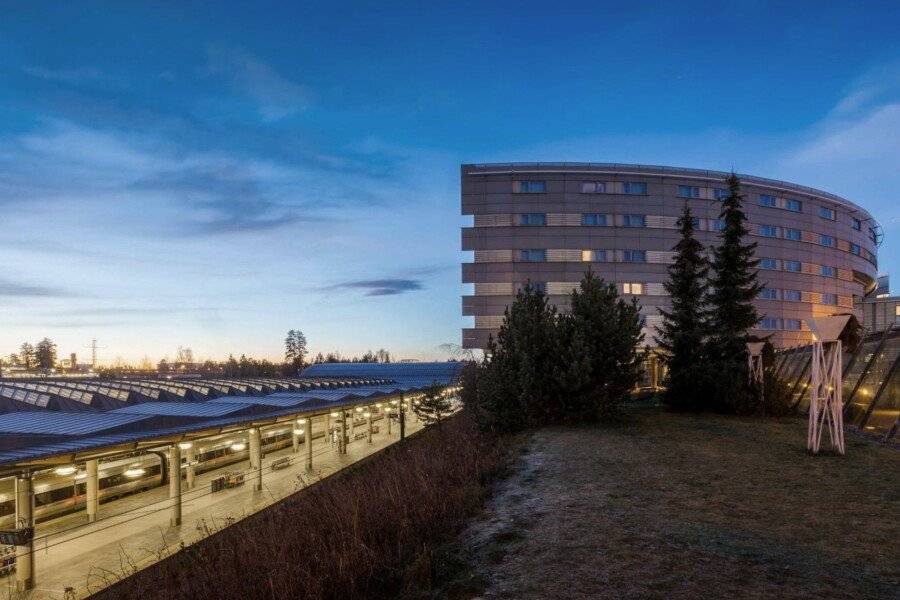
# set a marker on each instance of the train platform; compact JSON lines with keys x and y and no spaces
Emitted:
{"x":74,"y":558}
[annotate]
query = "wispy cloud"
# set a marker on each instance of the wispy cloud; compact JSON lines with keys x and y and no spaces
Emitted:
{"x":12,"y":289}
{"x":380,"y":287}
{"x":276,"y":96}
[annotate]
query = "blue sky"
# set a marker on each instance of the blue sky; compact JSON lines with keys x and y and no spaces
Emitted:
{"x":210,"y":175}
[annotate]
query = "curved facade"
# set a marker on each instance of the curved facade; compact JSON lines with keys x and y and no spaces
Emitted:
{"x":549,"y":222}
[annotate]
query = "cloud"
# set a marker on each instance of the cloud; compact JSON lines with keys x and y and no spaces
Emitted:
{"x":11,"y":289}
{"x":276,"y":96}
{"x":380,"y":287}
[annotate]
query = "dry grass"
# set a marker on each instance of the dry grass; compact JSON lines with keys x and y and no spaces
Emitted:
{"x":679,"y":506}
{"x":367,"y":533}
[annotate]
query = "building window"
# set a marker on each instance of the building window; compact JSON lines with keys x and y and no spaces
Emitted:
{"x":718,"y":224}
{"x":593,"y":187}
{"x":532,"y":219}
{"x":632,"y":220}
{"x":633,"y":288}
{"x":793,"y":324}
{"x":826,"y":240}
{"x":768,"y":263}
{"x":857,"y":224}
{"x":827,"y":213}
{"x":688,"y":191}
{"x":593,"y":255}
{"x":638,"y":188}
{"x":792,"y":295}
{"x":529,"y":187}
{"x":793,"y":205}
{"x":897,"y":312}
{"x":538,"y":286}
{"x":769,"y":323}
{"x":720,"y":193}
{"x":634,"y":256}
{"x":695,"y":223}
{"x":826,"y":271}
{"x":855,"y":249}
{"x":768,"y":231}
{"x":793,"y":234}
{"x":532,"y":255}
{"x":768,"y":200}
{"x":829,"y":299}
{"x":768,"y":294}
{"x":793,"y":266}
{"x":594,"y":219}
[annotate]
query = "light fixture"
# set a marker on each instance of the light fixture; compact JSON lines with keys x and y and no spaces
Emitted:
{"x":394,"y":402}
{"x":134,"y":472}
{"x":185,"y":445}
{"x":334,"y":415}
{"x":359,"y":409}
{"x":367,"y":414}
{"x":301,"y":421}
{"x":67,"y":470}
{"x":238,"y":446}
{"x":298,"y":431}
{"x":378,"y":405}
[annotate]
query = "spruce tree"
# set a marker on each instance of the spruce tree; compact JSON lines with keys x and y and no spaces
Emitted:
{"x":433,"y":406}
{"x":682,"y":334}
{"x":733,"y":288}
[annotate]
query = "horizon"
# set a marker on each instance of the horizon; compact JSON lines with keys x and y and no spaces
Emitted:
{"x":174,"y":177}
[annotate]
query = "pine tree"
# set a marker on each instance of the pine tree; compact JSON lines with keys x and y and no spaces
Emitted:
{"x":600,"y":343}
{"x":733,"y":288}
{"x":433,"y":406}
{"x":682,"y":334}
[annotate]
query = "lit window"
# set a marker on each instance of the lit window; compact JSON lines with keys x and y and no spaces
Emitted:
{"x":793,"y":234}
{"x":634,"y":256}
{"x":593,"y":255}
{"x":857,"y":224}
{"x":720,"y":193}
{"x":794,"y":324}
{"x":768,"y":294}
{"x":793,"y":205}
{"x":633,"y":220}
{"x":768,"y":200}
{"x":793,"y":266}
{"x":633,"y":288}
{"x":530,"y":187}
{"x":768,"y":263}
{"x":593,"y":187}
{"x":718,"y":224}
{"x":595,"y":219}
{"x":897,"y":311}
{"x":769,"y":323}
{"x":827,"y":213}
{"x":826,"y":240}
{"x":688,"y":191}
{"x":768,"y":231}
{"x":792,"y":295}
{"x":533,"y":255}
{"x":635,"y":187}
{"x":829,"y":299}
{"x":532,"y":219}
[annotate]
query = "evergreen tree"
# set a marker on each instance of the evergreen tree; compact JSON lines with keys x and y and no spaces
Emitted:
{"x":433,"y":406}
{"x":45,"y":354}
{"x":682,"y":334}
{"x":602,"y":361}
{"x":733,"y":288}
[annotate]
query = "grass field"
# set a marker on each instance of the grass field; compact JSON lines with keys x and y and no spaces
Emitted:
{"x":688,"y":506}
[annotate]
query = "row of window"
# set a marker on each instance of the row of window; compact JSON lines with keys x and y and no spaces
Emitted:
{"x":794,"y":296}
{"x":540,"y":255}
{"x":794,"y":266}
{"x":772,"y":323}
{"x":639,"y":188}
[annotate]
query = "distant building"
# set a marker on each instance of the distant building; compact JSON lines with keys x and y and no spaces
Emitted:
{"x":549,"y":222}
{"x":880,"y":310}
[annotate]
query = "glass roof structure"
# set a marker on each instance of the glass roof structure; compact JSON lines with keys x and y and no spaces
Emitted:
{"x":44,"y":418}
{"x":871,"y":382}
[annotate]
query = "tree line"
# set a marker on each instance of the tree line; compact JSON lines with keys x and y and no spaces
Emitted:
{"x":40,"y":356}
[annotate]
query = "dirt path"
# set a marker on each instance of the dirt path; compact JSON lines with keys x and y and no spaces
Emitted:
{"x":670,"y":506}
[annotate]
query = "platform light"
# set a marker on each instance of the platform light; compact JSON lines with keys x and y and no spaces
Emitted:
{"x":335,"y":415}
{"x":359,"y":409}
{"x":238,"y":446}
{"x":66,"y":470}
{"x":394,"y":402}
{"x":185,"y":445}
{"x":378,"y":405}
{"x":135,"y":471}
{"x":367,"y":414}
{"x":301,"y":421}
{"x":298,"y":431}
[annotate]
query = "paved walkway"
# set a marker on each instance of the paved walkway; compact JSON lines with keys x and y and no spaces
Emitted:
{"x":134,"y":532}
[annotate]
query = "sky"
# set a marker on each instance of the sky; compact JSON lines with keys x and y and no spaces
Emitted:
{"x":211,"y":175}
